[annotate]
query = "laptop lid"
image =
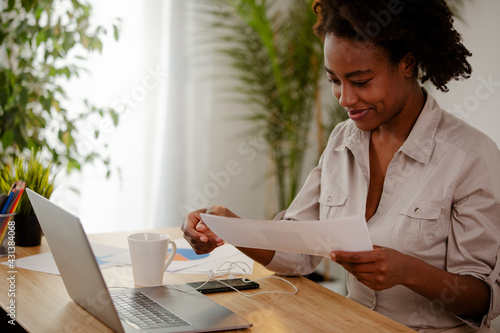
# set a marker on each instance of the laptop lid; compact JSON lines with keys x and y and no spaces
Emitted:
{"x":80,"y":272}
{"x":86,"y":286}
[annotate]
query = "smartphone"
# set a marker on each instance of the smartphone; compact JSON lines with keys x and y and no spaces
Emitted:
{"x":215,"y":286}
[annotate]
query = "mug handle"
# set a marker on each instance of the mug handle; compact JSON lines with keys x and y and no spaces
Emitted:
{"x":171,"y":255}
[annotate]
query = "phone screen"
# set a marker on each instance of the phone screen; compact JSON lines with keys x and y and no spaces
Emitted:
{"x":215,"y":286}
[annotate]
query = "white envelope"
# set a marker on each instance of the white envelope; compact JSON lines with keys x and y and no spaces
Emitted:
{"x":309,"y":237}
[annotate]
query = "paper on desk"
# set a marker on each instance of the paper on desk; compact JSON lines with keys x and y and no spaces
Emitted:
{"x":188,"y":262}
{"x":309,"y":237}
{"x":44,"y":262}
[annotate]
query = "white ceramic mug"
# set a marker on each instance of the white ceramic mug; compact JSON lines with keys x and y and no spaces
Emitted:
{"x":148,"y":252}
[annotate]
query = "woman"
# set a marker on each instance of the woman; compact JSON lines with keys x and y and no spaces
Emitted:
{"x":426,"y":181}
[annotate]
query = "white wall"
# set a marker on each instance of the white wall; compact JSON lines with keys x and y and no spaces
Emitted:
{"x":474,"y":100}
{"x":235,"y":147}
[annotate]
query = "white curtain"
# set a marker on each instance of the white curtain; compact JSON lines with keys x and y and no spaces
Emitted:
{"x":163,"y":108}
{"x":180,"y":156}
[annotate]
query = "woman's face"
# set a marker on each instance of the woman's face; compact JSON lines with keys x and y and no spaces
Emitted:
{"x":372,"y":90}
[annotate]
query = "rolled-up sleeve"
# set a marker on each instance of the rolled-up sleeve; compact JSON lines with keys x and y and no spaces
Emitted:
{"x":474,"y":237}
{"x":305,"y":206}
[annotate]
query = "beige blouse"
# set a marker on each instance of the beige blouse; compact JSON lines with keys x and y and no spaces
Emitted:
{"x":440,"y":203}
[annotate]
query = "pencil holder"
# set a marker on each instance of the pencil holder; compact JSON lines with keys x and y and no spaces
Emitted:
{"x":28,"y":231}
{"x":6,"y":234}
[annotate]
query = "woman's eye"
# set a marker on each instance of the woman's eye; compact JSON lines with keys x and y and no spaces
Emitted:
{"x":334,"y":81}
{"x":360,"y":83}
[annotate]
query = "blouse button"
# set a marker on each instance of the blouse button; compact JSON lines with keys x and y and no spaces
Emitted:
{"x":417,"y":210}
{"x":329,"y":198}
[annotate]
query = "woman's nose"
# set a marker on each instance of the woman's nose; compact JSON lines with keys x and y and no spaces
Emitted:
{"x":347,"y":97}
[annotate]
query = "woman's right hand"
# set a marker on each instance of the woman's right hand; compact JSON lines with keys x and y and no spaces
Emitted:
{"x":197,"y":233}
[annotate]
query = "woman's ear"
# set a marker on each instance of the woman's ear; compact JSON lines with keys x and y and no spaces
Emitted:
{"x":407,"y":65}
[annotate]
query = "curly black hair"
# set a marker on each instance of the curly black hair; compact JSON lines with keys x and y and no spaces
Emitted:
{"x":422,"y":27}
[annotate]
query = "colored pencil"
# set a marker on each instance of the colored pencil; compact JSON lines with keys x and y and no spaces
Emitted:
{"x":9,"y":199}
{"x":18,"y":192}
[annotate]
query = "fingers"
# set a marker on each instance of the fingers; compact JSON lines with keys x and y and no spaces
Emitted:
{"x":378,"y":269}
{"x":361,"y":268}
{"x":204,"y":244}
{"x":357,"y":262}
{"x":361,"y":265}
{"x":203,"y":247}
{"x":221,"y":211}
{"x":201,"y":226}
{"x":207,"y":233}
{"x":189,"y":227}
{"x":362,"y":257}
{"x":197,"y":233}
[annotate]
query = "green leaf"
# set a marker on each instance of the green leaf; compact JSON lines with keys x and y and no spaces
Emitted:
{"x":116,"y":31}
{"x":23,"y":96}
{"x":73,"y":164}
{"x":85,"y":41}
{"x":114,"y":115}
{"x":8,"y":138}
{"x":29,"y":4}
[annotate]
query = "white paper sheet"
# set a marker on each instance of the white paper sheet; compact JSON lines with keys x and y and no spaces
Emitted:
{"x":310,"y":237}
{"x":44,"y":262}
{"x":202,"y":264}
{"x":188,"y":262}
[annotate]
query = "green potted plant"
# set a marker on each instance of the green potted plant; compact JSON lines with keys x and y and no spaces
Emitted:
{"x":44,"y":43}
{"x":38,"y":175}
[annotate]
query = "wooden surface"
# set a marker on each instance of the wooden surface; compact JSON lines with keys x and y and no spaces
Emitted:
{"x":43,"y":305}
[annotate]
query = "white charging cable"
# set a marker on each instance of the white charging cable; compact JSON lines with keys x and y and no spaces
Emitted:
{"x":231,"y":265}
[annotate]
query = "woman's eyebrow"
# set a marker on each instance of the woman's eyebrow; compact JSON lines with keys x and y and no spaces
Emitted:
{"x":351,"y":74}
{"x":328,"y":70}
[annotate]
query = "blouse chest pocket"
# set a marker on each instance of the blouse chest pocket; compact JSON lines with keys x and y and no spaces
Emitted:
{"x":330,"y":204}
{"x":416,"y":225}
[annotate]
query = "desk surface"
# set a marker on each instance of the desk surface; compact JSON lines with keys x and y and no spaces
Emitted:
{"x":43,"y":305}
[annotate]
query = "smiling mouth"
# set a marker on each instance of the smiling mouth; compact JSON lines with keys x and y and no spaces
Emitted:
{"x":358,"y":115}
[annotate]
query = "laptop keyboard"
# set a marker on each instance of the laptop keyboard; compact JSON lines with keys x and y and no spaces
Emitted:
{"x":141,"y":312}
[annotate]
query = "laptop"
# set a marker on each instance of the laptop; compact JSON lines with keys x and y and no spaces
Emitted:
{"x":167,"y":308}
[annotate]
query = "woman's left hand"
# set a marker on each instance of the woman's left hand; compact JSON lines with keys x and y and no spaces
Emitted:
{"x":379,"y":269}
